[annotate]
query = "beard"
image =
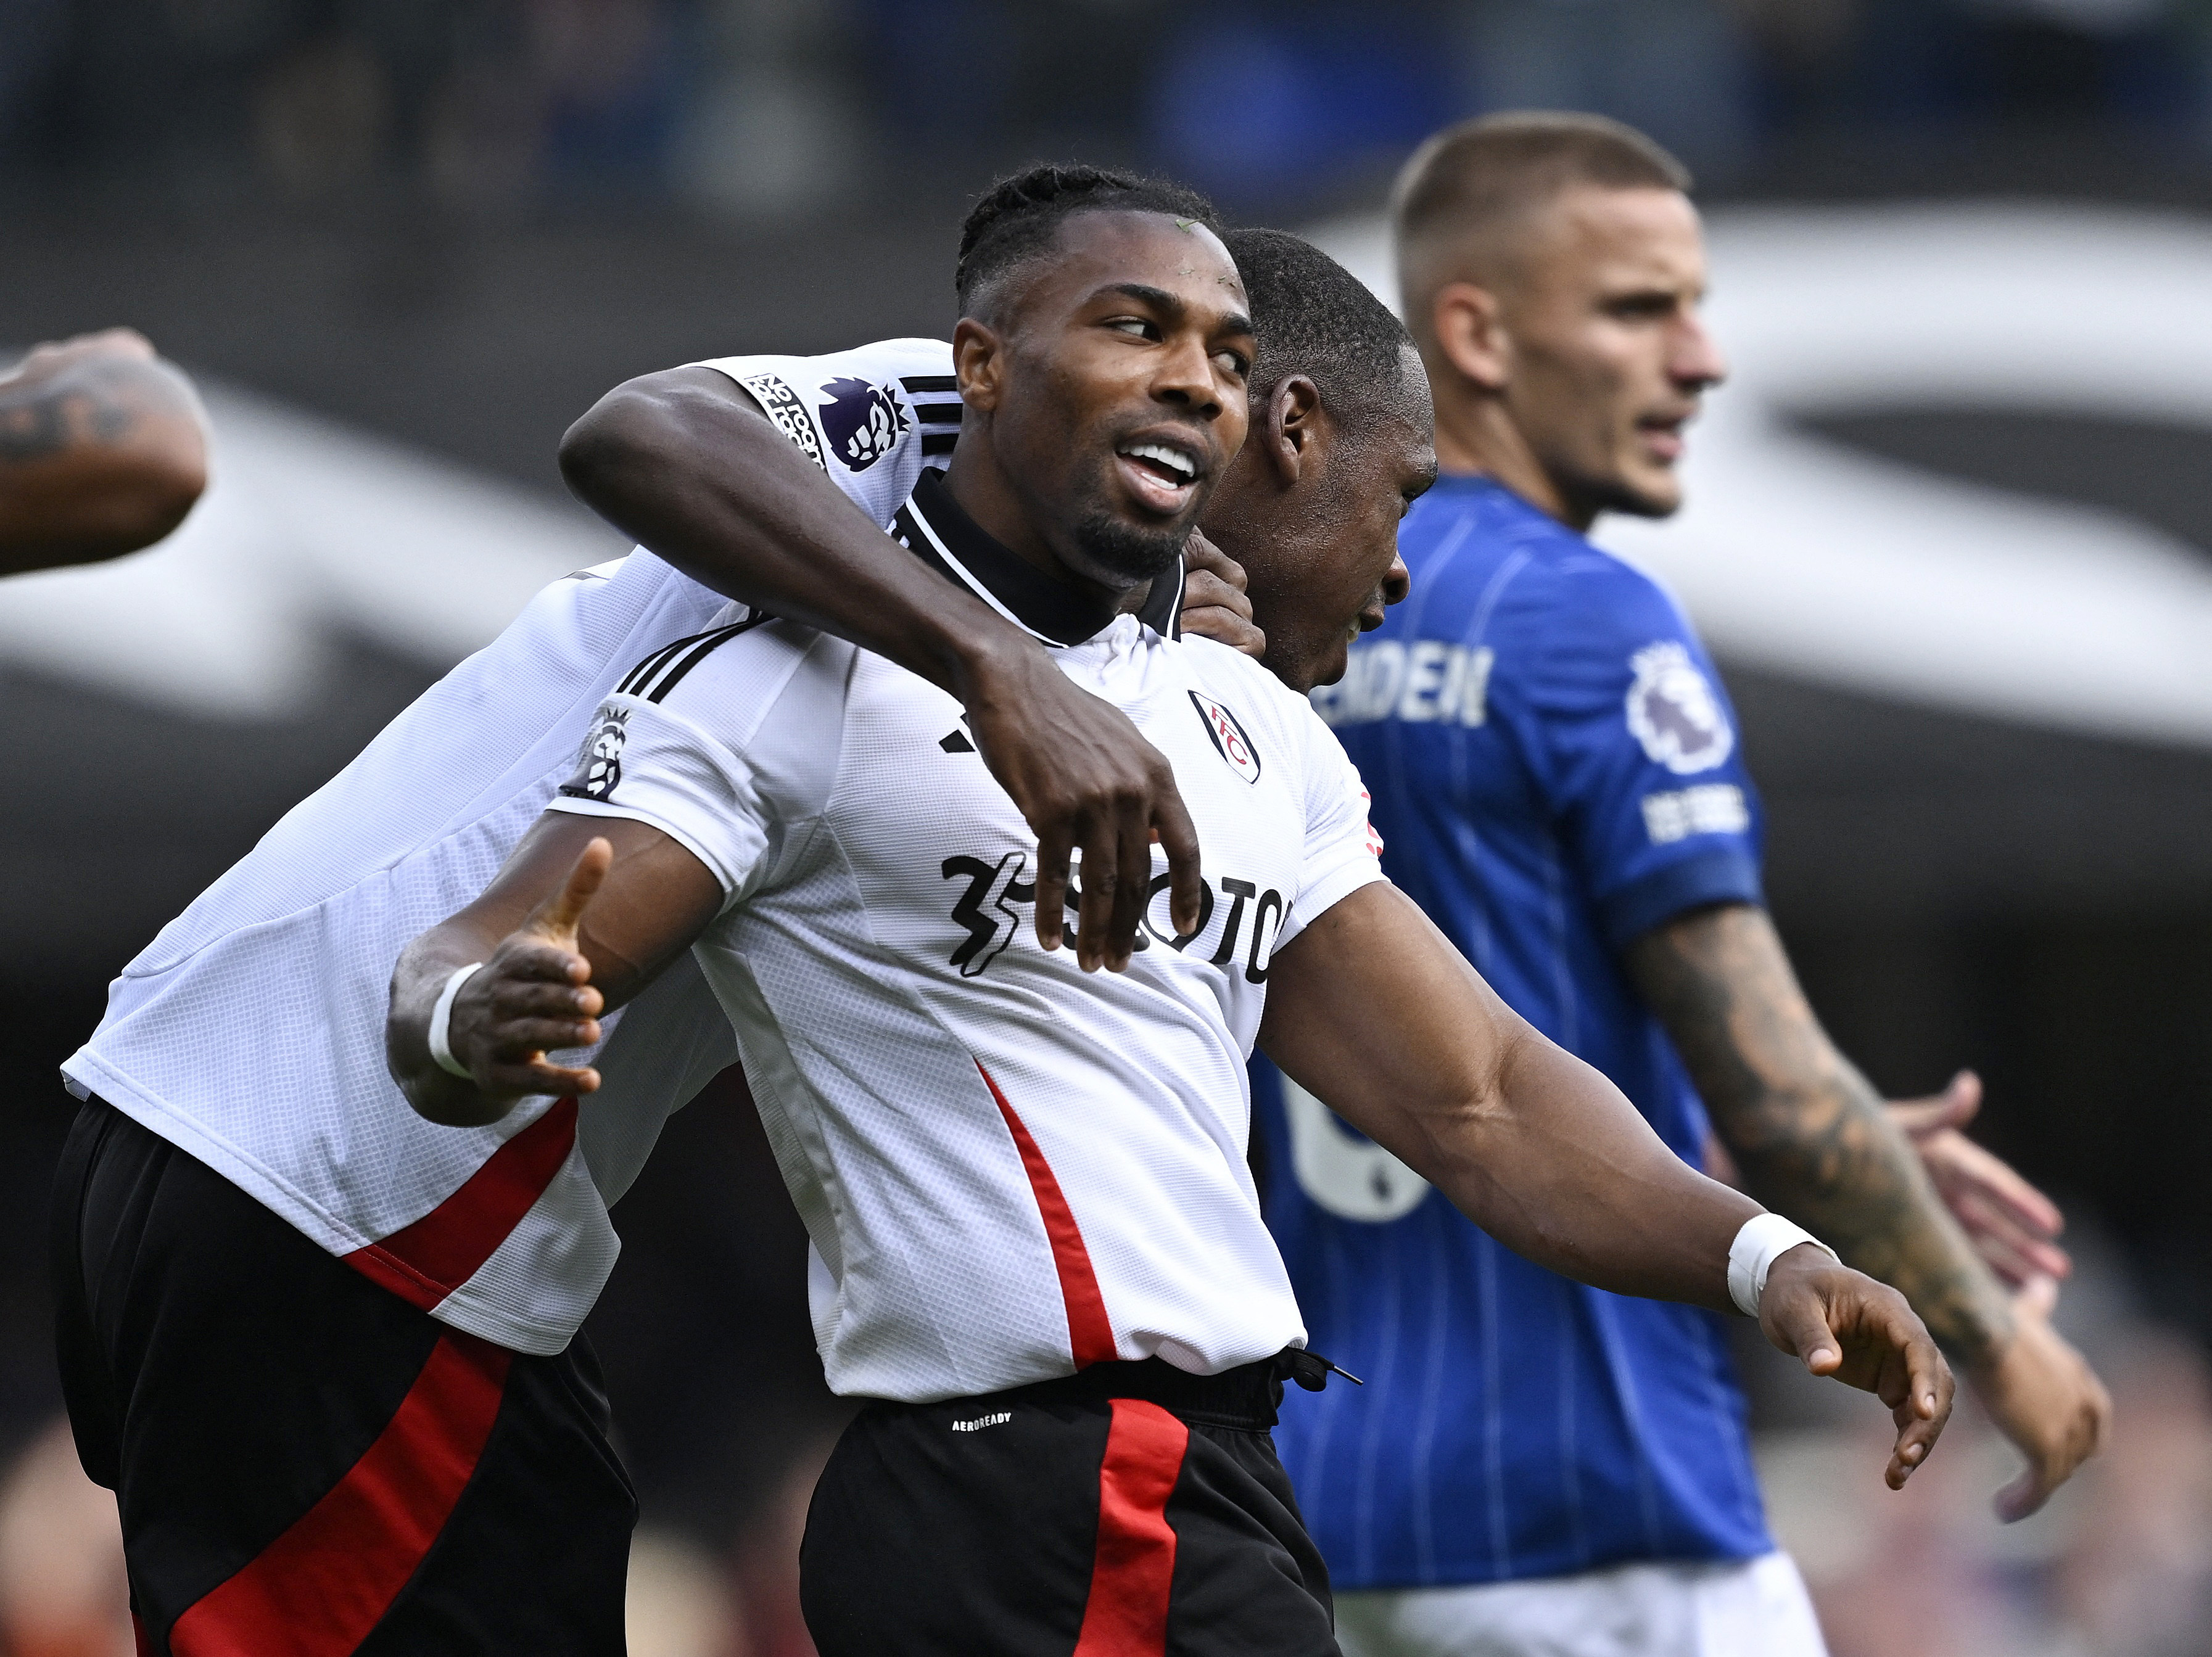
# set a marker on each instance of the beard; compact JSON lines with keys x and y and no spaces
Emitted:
{"x":1133,"y":553}
{"x":1626,"y":499}
{"x":1621,"y":493}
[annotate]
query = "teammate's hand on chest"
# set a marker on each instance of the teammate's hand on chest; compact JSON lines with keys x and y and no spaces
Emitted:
{"x":1096,"y":785}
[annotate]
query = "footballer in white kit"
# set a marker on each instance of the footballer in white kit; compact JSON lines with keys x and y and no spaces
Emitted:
{"x":1056,"y":1176}
{"x":240,"y":1122}
{"x":1037,"y":1244}
{"x":240,"y":1061}
{"x":379,"y":1474}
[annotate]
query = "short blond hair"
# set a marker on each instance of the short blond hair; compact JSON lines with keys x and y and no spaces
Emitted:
{"x":1466,"y":186}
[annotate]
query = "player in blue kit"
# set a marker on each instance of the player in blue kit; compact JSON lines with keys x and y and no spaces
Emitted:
{"x":1535,"y":1466}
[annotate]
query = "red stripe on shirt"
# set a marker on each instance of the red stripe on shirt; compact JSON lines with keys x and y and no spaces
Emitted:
{"x":425,"y":1262}
{"x":1090,"y":1332}
{"x":1127,"y":1614}
{"x":319,"y":1588}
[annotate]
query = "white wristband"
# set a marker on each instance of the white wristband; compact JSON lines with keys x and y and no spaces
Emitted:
{"x":1763,"y":1240}
{"x":442,"y":1019}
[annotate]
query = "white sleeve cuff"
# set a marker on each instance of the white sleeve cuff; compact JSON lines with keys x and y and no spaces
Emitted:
{"x":730,"y":879}
{"x":1318,"y":897}
{"x":1763,"y":1239}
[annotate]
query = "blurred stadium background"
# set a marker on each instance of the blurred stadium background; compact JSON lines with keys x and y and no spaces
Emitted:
{"x":1951,"y":536}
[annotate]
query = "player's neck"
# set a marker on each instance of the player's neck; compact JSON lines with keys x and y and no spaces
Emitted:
{"x":1475,"y":437}
{"x":986,"y":493}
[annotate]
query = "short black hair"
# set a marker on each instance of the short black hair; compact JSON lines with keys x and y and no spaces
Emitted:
{"x":1314,"y":317}
{"x":1014,"y":224}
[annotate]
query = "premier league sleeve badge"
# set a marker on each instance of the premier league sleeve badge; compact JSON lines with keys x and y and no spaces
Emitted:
{"x":598,"y":766}
{"x":1674,"y":712}
{"x":863,"y":422}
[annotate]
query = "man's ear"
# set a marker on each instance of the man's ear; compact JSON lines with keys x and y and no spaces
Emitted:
{"x":978,"y":362}
{"x":1470,"y":330}
{"x":1293,"y":427}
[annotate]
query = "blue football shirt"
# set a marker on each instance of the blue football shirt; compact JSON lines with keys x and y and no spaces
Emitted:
{"x":1554,"y":771}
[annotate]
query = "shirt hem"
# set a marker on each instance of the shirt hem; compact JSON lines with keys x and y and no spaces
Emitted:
{"x":472,"y":1317}
{"x":87,"y":1070}
{"x":1325,"y":893}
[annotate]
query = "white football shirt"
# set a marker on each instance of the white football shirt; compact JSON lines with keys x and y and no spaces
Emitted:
{"x":250,"y":1033}
{"x":1009,"y":1168}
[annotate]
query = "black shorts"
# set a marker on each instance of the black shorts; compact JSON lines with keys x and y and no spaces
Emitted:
{"x":306,"y":1465}
{"x":1130,"y":1510}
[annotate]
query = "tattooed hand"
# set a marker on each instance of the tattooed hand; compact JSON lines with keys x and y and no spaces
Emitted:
{"x":1811,"y":1139}
{"x":2013,"y":1225}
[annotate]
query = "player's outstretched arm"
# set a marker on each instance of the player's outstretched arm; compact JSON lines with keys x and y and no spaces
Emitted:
{"x":1814,"y":1140}
{"x":687,"y":463}
{"x":103,"y":452}
{"x":1371,"y":1010}
{"x":583,"y":917}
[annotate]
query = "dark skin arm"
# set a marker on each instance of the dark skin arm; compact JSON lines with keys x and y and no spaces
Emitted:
{"x":103,"y":452}
{"x":1530,"y":1142}
{"x":554,"y":960}
{"x":685,"y":463}
{"x":1813,"y":1140}
{"x":1372,"y":1009}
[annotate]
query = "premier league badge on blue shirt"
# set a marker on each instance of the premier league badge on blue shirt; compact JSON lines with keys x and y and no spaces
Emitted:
{"x":1672,"y":712}
{"x":863,"y":422}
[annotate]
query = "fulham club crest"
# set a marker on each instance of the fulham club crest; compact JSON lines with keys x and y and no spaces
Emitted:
{"x":1229,"y":739}
{"x":1672,"y":712}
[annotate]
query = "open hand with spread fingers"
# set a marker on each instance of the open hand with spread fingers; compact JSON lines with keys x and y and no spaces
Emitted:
{"x":2013,"y":1225}
{"x":1841,"y":1323}
{"x":1099,"y":792}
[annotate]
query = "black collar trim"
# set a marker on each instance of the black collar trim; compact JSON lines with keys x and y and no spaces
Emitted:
{"x":939,"y":532}
{"x":1162,"y":610}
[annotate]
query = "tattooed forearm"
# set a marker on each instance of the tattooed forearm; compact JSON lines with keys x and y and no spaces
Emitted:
{"x":41,"y":419}
{"x":1808,"y":1130}
{"x":103,"y":452}
{"x":32,"y":428}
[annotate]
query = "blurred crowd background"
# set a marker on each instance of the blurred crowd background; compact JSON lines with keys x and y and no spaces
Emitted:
{"x":404,"y":242}
{"x":732,"y":109}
